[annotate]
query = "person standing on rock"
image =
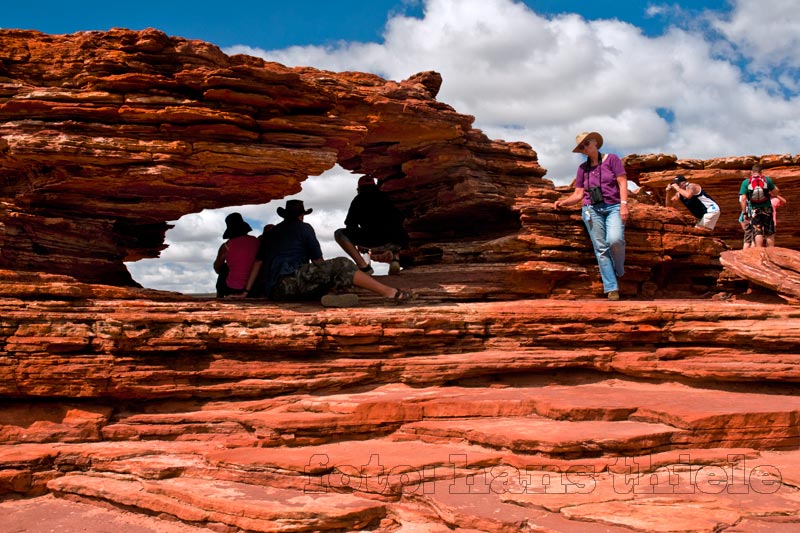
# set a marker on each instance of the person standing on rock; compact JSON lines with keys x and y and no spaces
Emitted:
{"x":755,"y":195}
{"x":602,"y":185}
{"x":295,"y":269}
{"x":235,"y":256}
{"x":700,"y":204}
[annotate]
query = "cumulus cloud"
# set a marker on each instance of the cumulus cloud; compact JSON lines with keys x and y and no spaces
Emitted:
{"x":544,"y":79}
{"x":186,"y":264}
{"x":767,"y":32}
{"x":712,"y":85}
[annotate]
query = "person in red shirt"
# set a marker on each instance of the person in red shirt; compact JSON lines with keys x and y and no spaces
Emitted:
{"x":235,"y":256}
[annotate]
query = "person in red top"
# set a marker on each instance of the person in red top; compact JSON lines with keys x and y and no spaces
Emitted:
{"x":235,"y":256}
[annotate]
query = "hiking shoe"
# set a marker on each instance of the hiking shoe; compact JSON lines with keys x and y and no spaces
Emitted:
{"x":368,"y":270}
{"x":347,"y":299}
{"x":401,"y":296}
{"x":394,"y":267}
{"x":613,"y":295}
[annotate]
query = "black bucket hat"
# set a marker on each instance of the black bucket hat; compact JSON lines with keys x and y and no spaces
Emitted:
{"x":236,"y":226}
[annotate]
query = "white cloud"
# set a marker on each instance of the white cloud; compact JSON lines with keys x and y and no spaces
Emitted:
{"x":542,"y":80}
{"x":186,"y":264}
{"x":766,"y":31}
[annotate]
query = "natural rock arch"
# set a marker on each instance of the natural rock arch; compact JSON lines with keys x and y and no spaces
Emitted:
{"x":108,"y":135}
{"x":105,"y":136}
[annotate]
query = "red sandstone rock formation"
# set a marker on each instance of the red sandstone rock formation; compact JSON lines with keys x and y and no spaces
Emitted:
{"x":172,"y":414}
{"x":553,"y":415}
{"x":106,"y":136}
{"x":721,"y":178}
{"x":773,"y":268}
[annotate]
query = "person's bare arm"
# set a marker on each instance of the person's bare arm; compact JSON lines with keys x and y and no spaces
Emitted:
{"x":251,"y":279}
{"x":622,"y":183}
{"x":692,"y":190}
{"x":575,"y":197}
{"x":220,"y":260}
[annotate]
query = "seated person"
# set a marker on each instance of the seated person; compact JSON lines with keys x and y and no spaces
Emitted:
{"x":372,"y":223}
{"x":257,"y":290}
{"x":295,"y":270}
{"x":235,"y":256}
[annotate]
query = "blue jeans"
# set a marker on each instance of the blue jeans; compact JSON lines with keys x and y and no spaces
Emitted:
{"x":608,"y":239}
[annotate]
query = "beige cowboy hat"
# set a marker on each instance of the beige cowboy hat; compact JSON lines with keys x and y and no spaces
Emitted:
{"x":587,"y":135}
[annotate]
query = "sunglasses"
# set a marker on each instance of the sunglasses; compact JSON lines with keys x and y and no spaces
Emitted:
{"x":585,"y":143}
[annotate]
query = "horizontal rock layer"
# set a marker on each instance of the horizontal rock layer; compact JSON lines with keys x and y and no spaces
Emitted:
{"x":533,"y":409}
{"x":106,"y":136}
{"x":651,"y":415}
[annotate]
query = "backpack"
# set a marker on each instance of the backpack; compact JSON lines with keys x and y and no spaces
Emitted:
{"x":757,"y":190}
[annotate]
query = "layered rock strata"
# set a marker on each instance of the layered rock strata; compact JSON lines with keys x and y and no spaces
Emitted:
{"x":531,"y":415}
{"x":502,"y":400}
{"x":721,"y":178}
{"x":107,"y":136}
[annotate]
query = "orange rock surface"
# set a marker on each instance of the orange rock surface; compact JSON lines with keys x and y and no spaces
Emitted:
{"x":505,"y":399}
{"x":106,"y":136}
{"x":558,"y":415}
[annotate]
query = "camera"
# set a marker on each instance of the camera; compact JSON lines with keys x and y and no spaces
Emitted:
{"x":596,"y":195}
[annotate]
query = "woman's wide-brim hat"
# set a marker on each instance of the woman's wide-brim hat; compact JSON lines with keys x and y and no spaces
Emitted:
{"x":235,"y":226}
{"x":587,"y":135}
{"x":293,"y":209}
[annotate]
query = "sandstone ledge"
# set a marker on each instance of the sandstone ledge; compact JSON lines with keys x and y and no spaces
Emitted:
{"x":491,"y":416}
{"x":505,"y":399}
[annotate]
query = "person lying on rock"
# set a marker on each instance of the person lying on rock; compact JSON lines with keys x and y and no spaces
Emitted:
{"x":700,"y":204}
{"x":235,"y":257}
{"x":372,"y":223}
{"x":296,"y":270}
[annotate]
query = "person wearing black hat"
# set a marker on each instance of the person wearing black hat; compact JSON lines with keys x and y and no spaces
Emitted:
{"x":296,"y":270}
{"x":235,"y":256}
{"x":700,"y":204}
{"x":372,"y":223}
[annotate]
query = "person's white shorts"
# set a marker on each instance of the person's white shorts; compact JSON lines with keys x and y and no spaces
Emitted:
{"x":709,"y":220}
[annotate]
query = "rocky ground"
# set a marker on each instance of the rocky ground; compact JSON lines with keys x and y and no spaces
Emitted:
{"x":128,"y":412}
{"x":507,"y":398}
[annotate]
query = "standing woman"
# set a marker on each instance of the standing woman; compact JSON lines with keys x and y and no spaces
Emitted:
{"x":602,"y":185}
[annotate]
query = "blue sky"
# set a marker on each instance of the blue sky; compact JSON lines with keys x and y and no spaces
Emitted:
{"x":698,"y":79}
{"x":272,"y":24}
{"x":264,"y":23}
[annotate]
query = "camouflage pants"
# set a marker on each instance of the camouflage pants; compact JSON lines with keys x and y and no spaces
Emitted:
{"x":314,"y":280}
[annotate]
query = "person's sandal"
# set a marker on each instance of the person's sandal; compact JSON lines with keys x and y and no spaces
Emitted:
{"x":402,"y":296}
